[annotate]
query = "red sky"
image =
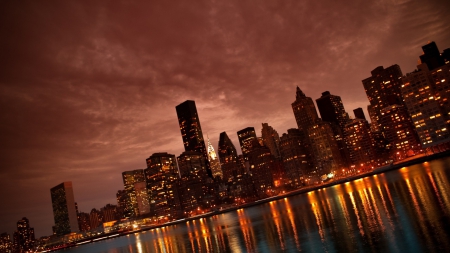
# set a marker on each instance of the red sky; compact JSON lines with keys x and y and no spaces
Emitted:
{"x":88,"y":89}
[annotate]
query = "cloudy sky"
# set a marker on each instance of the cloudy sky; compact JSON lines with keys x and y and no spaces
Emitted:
{"x":88,"y":89}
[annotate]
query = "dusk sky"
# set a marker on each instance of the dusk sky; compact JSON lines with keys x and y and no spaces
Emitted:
{"x":88,"y":89}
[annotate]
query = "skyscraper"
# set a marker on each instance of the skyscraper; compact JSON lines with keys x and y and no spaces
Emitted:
{"x":383,"y":89}
{"x":317,"y":136}
{"x":214,"y":162}
{"x":228,"y":158}
{"x":271,"y":139}
{"x":191,"y":131}
{"x":161,"y":177}
{"x":137,"y":202}
{"x":431,"y":56}
{"x":247,"y":140}
{"x":64,"y":211}
{"x":359,"y":113}
{"x":24,"y":236}
{"x":361,"y":144}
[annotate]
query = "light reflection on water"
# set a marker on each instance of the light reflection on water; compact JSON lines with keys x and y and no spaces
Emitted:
{"x":400,"y":211}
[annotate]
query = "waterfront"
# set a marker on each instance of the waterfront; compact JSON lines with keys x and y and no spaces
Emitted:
{"x":405,"y":210}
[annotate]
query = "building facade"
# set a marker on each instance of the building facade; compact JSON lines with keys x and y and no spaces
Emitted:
{"x":64,"y":210}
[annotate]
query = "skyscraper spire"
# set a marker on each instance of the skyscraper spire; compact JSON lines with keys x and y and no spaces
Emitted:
{"x":299,"y":94}
{"x":211,"y":153}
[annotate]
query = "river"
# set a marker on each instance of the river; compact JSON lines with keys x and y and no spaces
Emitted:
{"x":405,"y":210}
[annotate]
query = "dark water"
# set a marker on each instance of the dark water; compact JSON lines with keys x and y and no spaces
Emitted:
{"x":406,"y":210}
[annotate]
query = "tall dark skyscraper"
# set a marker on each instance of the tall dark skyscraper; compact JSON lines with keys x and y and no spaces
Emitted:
{"x":332,"y":109}
{"x":431,"y":56}
{"x":191,"y":131}
{"x":304,"y":110}
{"x":228,"y":158}
{"x":359,"y":113}
{"x":64,"y":211}
{"x":271,"y":139}
{"x":24,"y":237}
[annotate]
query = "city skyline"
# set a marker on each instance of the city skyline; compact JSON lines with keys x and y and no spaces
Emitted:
{"x":86,"y":109}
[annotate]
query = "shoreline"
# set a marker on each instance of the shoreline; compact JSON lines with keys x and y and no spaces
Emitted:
{"x":376,"y":171}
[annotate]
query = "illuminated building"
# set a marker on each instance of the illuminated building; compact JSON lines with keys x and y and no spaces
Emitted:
{"x":122,"y":200}
{"x":191,"y":131}
{"x":361,"y":144}
{"x":5,"y":243}
{"x":271,"y":139}
{"x":383,"y":89}
{"x":161,"y":177}
{"x":359,"y":113}
{"x":426,"y":95}
{"x":24,"y":236}
{"x":109,"y":213}
{"x":332,"y":111}
{"x":399,"y":132}
{"x":265,"y":170}
{"x":247,"y":140}
{"x":137,"y":194}
{"x":214,"y":162}
{"x":64,"y":211}
{"x":296,"y":161}
{"x":194,"y":185}
{"x":317,"y":137}
{"x":228,"y":158}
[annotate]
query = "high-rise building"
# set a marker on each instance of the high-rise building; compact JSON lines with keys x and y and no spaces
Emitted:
{"x":64,"y":211}
{"x":431,"y":56}
{"x":6,"y":245}
{"x":136,"y":189}
{"x":161,"y":177}
{"x":247,"y":140}
{"x":24,"y":236}
{"x":296,"y":160}
{"x":95,"y":218}
{"x":271,"y":139}
{"x":427,"y":95}
{"x":361,"y":144}
{"x":122,"y":200}
{"x":228,"y":158}
{"x":399,"y":132}
{"x":383,"y":89}
{"x":84,"y":221}
{"x":332,"y":111}
{"x":359,"y":113}
{"x":317,"y":136}
{"x":214,"y":162}
{"x":191,"y":131}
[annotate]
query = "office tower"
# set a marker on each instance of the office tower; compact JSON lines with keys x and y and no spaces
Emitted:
{"x":214,"y":162}
{"x":317,"y":136}
{"x":95,"y":218}
{"x":361,"y":145}
{"x":296,"y":160}
{"x":191,"y":131}
{"x":304,"y":111}
{"x":431,"y":56}
{"x":137,"y":194}
{"x":228,"y":158}
{"x":271,"y":139}
{"x":399,"y":132}
{"x":426,"y":95}
{"x":332,"y":111}
{"x":109,"y":213}
{"x":265,"y":170}
{"x":24,"y":236}
{"x":122,"y":200}
{"x":247,"y":140}
{"x":161,"y":177}
{"x":6,"y":245}
{"x":84,"y":222}
{"x":194,"y":186}
{"x":383,"y":89}
{"x":359,"y":113}
{"x":64,"y":211}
